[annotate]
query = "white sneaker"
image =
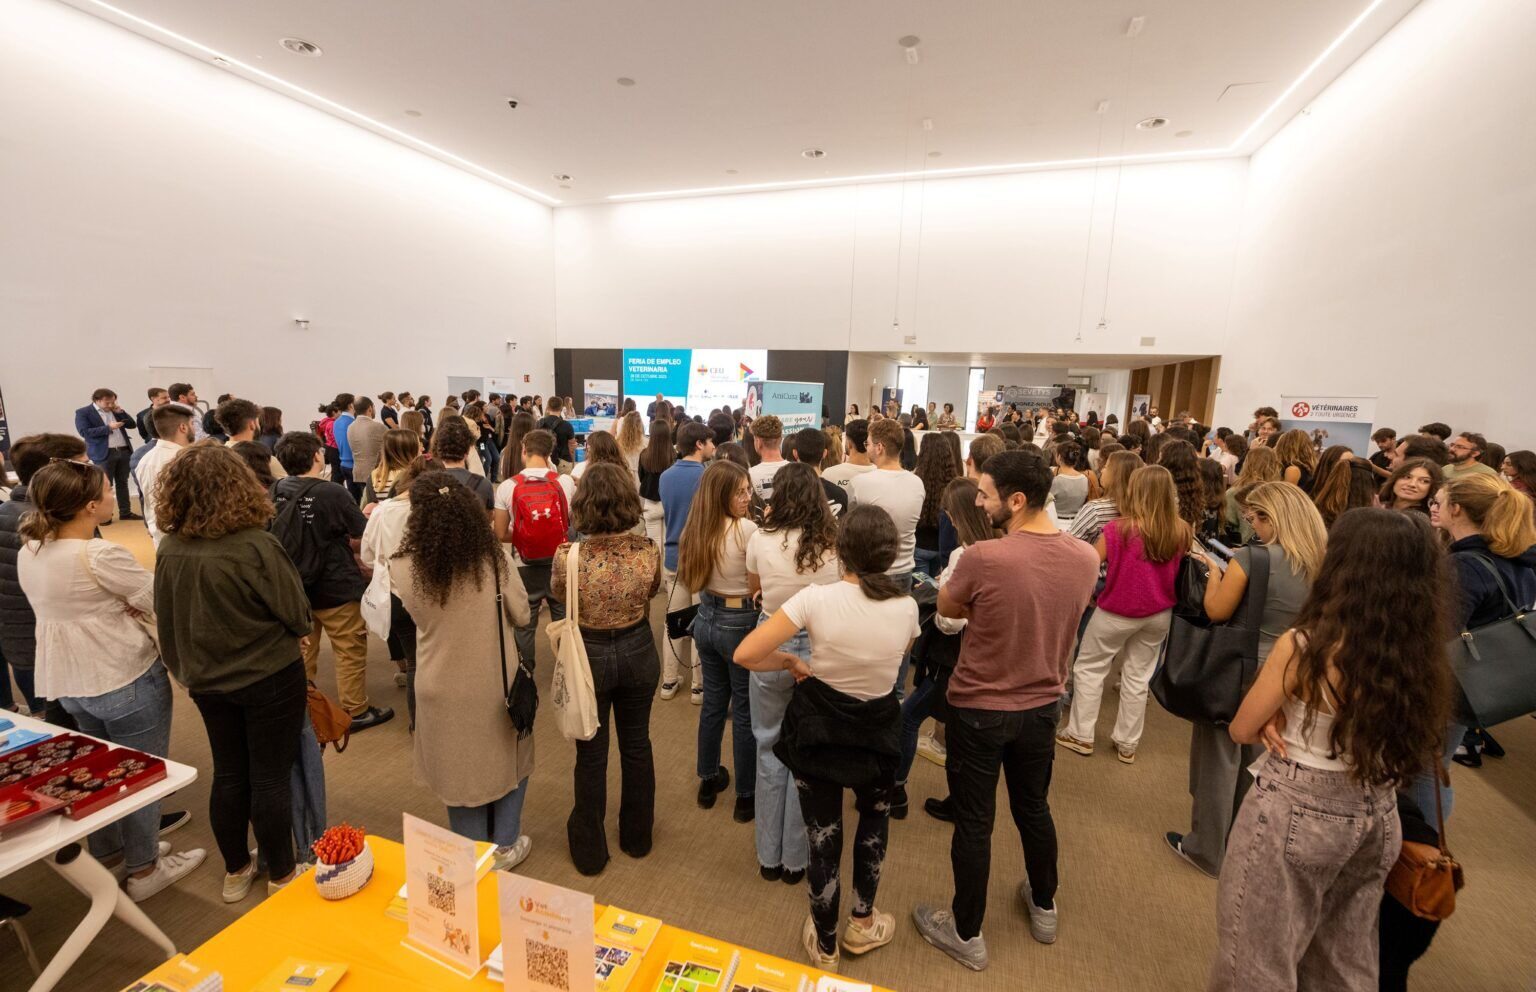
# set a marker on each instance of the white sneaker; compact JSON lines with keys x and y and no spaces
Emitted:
{"x":697,"y":694}
{"x":238,"y":885}
{"x":510,"y":856}
{"x":813,"y":952}
{"x":931,"y":749}
{"x":668,"y":690}
{"x":273,"y":888}
{"x":168,"y":869}
{"x":120,"y":870}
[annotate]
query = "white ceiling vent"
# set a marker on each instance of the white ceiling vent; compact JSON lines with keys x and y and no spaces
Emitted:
{"x":299,"y":46}
{"x":1148,"y":342}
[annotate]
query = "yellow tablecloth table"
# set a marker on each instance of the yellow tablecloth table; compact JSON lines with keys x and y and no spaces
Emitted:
{"x":354,"y":931}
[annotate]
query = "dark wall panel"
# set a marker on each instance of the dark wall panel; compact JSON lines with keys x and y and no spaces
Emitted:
{"x":572,"y":365}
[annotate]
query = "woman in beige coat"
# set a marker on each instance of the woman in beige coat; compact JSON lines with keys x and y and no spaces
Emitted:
{"x":448,"y":572}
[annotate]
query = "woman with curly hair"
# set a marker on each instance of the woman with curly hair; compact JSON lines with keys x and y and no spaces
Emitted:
{"x":631,"y":438}
{"x":231,"y":612}
{"x":452,"y":576}
{"x":1351,"y":704}
{"x":796,"y":547}
{"x":936,"y":469}
{"x":1179,"y":458}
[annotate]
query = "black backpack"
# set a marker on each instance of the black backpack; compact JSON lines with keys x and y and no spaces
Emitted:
{"x":292,"y":527}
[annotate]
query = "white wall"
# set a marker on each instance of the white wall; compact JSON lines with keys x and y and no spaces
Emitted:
{"x":1388,"y":242}
{"x":159,"y":211}
{"x":994,"y":263}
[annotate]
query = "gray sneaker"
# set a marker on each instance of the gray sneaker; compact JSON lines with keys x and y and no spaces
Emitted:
{"x":1042,"y":922}
{"x":938,"y":928}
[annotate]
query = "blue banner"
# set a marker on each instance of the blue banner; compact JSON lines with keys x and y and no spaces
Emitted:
{"x":648,"y":371}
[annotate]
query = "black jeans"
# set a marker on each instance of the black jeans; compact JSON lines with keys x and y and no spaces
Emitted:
{"x":344,"y":476}
{"x":116,"y":467}
{"x":625,"y":670}
{"x":1022,"y":744}
{"x":254,"y":735}
{"x":535,"y":575}
{"x":821,"y":805}
{"x":1403,"y":940}
{"x":402,"y":634}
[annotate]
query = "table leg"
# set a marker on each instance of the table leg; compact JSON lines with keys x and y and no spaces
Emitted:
{"x":86,"y":874}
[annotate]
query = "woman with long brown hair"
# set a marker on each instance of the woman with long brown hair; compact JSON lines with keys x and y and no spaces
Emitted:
{"x":1298,"y":457}
{"x":712,"y":562}
{"x":245,"y":672}
{"x":631,"y":438}
{"x":936,"y":469}
{"x":1350,"y":705}
{"x":1179,"y":458}
{"x":1143,"y":550}
{"x":91,"y":654}
{"x":400,"y":448}
{"x":512,"y":453}
{"x":795,"y":547}
{"x":601,"y":447}
{"x":658,"y":456}
{"x":1519,"y":468}
{"x":1411,"y":487}
{"x":460,"y":587}
{"x":1331,"y":482}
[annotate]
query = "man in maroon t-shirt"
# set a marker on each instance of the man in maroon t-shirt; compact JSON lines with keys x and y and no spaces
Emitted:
{"x":1023,"y":595}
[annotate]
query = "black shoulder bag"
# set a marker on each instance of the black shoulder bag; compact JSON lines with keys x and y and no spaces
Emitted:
{"x":1206,"y":667}
{"x":1495,"y":664}
{"x":522,"y":696}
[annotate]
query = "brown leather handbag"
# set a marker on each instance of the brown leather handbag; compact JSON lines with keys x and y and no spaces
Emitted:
{"x":1426,"y":877}
{"x":333,"y":725}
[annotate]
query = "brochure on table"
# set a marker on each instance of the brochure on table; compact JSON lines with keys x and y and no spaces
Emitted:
{"x":442,"y":918}
{"x":546,"y":936}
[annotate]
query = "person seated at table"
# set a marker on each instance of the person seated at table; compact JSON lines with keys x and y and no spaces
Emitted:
{"x":94,"y":657}
{"x":452,"y":575}
{"x":946,"y":421}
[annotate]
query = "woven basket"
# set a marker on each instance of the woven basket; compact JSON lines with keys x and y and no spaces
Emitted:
{"x":340,"y":881}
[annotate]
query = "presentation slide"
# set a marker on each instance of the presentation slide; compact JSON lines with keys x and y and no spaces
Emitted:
{"x":699,"y":379}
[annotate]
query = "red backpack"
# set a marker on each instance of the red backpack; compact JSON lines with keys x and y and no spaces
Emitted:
{"x":540,"y":517}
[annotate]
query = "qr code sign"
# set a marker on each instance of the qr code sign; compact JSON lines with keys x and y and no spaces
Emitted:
{"x":440,"y":895}
{"x":549,"y":966}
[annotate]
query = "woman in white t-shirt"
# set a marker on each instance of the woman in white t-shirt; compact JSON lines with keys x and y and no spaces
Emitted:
{"x":795,"y":547}
{"x":859,"y":629}
{"x":712,"y":561}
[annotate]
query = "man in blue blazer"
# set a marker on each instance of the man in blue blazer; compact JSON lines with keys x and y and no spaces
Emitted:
{"x":104,"y":425}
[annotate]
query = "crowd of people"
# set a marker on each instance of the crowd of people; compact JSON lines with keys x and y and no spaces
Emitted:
{"x":845,"y":598}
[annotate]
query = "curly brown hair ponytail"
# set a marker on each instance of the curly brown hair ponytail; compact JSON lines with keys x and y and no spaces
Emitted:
{"x":447,"y":537}
{"x":800,"y":504}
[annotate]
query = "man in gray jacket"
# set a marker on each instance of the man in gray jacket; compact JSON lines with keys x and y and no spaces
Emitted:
{"x":365,"y":436}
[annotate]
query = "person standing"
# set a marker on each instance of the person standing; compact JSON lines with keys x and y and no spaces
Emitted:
{"x":339,"y":428}
{"x":654,"y":408}
{"x":562,"y":431}
{"x":1291,"y":534}
{"x":424,"y":407}
{"x":712,"y":564}
{"x":389,"y":415}
{"x":855,"y":441}
{"x":767,"y":436}
{"x":455,"y":580}
{"x":245,"y":673}
{"x":533,"y":514}
{"x":936,"y":469}
{"x":654,"y":460}
{"x":677,"y":486}
{"x":365,"y":442}
{"x":1349,"y":707}
{"x":94,"y":658}
{"x":1004,"y":696}
{"x":809,"y":446}
{"x":158,"y":397}
{"x":618,"y":572}
{"x":1466,"y":451}
{"x":318,"y":524}
{"x":241,"y":421}
{"x":894,"y":490}
{"x":452,"y":444}
{"x":104,"y":424}
{"x":381,"y":539}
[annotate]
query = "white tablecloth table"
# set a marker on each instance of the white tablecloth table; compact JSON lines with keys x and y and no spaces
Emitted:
{"x":51,"y":837}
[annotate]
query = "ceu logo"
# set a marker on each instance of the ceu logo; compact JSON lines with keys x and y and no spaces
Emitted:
{"x":1301,"y":409}
{"x":526,"y":904}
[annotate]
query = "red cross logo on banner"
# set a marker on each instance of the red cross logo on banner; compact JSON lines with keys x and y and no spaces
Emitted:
{"x":1301,"y":409}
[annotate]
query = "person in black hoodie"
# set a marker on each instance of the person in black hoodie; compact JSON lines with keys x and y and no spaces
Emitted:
{"x":1493,"y":554}
{"x":1404,"y":937}
{"x":842,"y":729}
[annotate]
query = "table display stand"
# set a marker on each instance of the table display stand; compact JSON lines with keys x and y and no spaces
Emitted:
{"x":99,"y":885}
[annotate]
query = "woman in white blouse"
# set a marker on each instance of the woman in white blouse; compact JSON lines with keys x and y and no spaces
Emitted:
{"x":94,"y":657}
{"x":380,"y":540}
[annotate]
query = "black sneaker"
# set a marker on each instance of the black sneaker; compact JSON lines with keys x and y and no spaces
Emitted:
{"x":709,"y":788}
{"x":129,"y":516}
{"x":899,"y":803}
{"x":371,"y":717}
{"x":1490,"y":747}
{"x":939,"y":809}
{"x":793,"y":876}
{"x":746,"y":809}
{"x":771,"y":874}
{"x":174,"y":821}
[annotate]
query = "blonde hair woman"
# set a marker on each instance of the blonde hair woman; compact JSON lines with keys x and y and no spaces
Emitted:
{"x":1143,"y":550}
{"x":1299,"y":456}
{"x":631,"y":438}
{"x":712,"y":561}
{"x":400,"y":448}
{"x":1293,"y":537}
{"x":1261,"y":464}
{"x":415,"y":422}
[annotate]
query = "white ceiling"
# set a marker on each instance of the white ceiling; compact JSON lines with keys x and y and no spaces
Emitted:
{"x":746,"y":86}
{"x":1076,"y":362}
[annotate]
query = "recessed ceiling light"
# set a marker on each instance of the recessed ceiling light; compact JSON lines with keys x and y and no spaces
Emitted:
{"x":813,"y":153}
{"x":299,"y":46}
{"x":730,"y":172}
{"x":625,"y":81}
{"x":1183,"y":134}
{"x":909,"y":41}
{"x":1151,"y":123}
{"x":413,"y":113}
{"x":561,"y":177}
{"x":934,"y":154}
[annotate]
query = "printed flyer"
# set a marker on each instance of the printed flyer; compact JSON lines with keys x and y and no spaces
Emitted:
{"x":546,"y":936}
{"x":442,"y":920}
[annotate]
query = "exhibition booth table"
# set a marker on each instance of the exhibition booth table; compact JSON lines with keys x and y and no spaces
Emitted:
{"x":35,"y":826}
{"x":359,"y":933}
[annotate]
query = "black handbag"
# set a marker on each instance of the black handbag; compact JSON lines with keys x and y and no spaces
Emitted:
{"x":1495,"y":664}
{"x":680,"y":622}
{"x":522,"y":695}
{"x":1189,"y":587}
{"x":1206,"y":667}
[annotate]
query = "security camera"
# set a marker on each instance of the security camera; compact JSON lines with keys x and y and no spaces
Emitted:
{"x":511,"y":104}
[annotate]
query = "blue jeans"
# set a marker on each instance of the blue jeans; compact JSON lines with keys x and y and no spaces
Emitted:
{"x":717,"y":631}
{"x":1422,"y":790}
{"x":138,"y":716}
{"x":927,"y":562}
{"x":914,"y":710}
{"x":778,"y":823}
{"x":499,"y":822}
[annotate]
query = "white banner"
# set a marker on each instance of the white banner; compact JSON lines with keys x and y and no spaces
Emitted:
{"x":1331,"y":409}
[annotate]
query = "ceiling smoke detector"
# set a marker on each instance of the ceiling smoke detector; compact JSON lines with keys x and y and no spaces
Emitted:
{"x":1151,"y":123}
{"x":299,"y":46}
{"x":813,"y":153}
{"x":561,"y":177}
{"x":413,"y":113}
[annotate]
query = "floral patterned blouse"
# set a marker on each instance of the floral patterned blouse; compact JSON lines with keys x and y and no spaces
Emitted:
{"x":616,"y":577}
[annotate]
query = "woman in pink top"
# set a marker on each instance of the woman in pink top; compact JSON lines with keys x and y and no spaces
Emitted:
{"x":1143,"y":549}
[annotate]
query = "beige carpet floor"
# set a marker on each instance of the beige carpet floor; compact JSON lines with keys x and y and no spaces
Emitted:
{"x":1134,"y":919}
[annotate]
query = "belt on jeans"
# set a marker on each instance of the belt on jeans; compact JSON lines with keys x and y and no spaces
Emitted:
{"x":728,"y":602}
{"x":613,"y":633}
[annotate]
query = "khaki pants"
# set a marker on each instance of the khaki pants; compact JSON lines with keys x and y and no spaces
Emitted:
{"x":349,"y":644}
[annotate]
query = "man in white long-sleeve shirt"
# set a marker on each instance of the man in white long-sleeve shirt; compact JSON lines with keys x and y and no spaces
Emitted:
{"x":173,"y":425}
